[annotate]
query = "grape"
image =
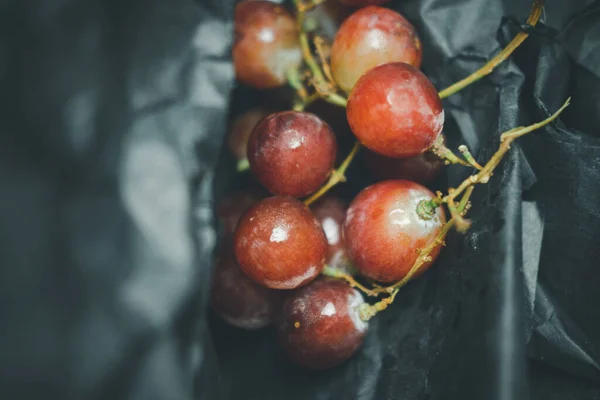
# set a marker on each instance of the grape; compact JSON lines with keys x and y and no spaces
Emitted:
{"x":280,"y":244}
{"x":331,"y":212}
{"x":363,"y":3}
{"x":370,"y":37}
{"x":266,"y":44}
{"x":291,"y":153}
{"x":238,"y":300}
{"x":232,"y":207}
{"x":383,"y":231}
{"x":242,"y":126}
{"x":319,"y":326}
{"x":395,"y":111}
{"x":423,"y":168}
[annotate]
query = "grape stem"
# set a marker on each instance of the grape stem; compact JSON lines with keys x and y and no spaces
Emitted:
{"x":321,"y":85}
{"x":338,"y":274}
{"x":469,"y":157}
{"x":486,"y":172}
{"x":301,"y":98}
{"x":336,"y":176}
{"x":458,"y":211}
{"x":243,"y":165}
{"x":534,"y":16}
{"x":295,"y":81}
{"x":439,"y":149}
{"x":321,"y":46}
{"x":421,"y":259}
{"x":367,"y":311}
{"x":304,"y":7}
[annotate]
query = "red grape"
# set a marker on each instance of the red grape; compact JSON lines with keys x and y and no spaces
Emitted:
{"x":266,"y":44}
{"x":280,"y":244}
{"x":331,"y":211}
{"x":395,"y":111}
{"x":383,"y":231}
{"x":370,"y":37}
{"x":232,"y":207}
{"x":292,"y":153}
{"x":240,"y":131}
{"x":422,"y":168}
{"x":319,"y":326}
{"x":363,"y":3}
{"x":237,"y":299}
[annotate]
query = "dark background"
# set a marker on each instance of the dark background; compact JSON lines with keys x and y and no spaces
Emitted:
{"x":111,"y":128}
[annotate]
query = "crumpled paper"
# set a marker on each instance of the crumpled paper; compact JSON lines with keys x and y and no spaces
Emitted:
{"x":113,"y":120}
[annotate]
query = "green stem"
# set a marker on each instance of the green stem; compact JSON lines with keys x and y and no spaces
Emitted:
{"x":439,"y":149}
{"x":521,"y":131}
{"x":319,"y":82}
{"x":309,"y":5}
{"x":469,"y":157}
{"x":299,"y":105}
{"x":338,"y":274}
{"x":505,"y":141}
{"x":534,"y":16}
{"x":295,"y":81}
{"x":421,"y":260}
{"x":367,"y":311}
{"x":308,"y":57}
{"x":464,"y":204}
{"x":426,"y":209}
{"x":336,"y":176}
{"x":243,"y":165}
{"x":336,"y":99}
{"x":458,"y":211}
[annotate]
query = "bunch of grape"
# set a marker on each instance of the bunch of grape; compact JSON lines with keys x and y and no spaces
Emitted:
{"x":305,"y":265}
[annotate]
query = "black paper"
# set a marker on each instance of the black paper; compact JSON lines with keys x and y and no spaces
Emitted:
{"x":112,"y":153}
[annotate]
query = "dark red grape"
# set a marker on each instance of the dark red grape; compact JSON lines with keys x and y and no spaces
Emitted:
{"x":280,"y":244}
{"x":291,"y":153}
{"x":370,"y":37}
{"x":394,"y":110}
{"x":240,"y":131}
{"x":383,"y":231}
{"x":266,"y":44}
{"x":319,"y":326}
{"x":232,"y":207}
{"x":423,"y":168}
{"x":331,"y":211}
{"x":363,"y":3}
{"x":237,"y":299}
